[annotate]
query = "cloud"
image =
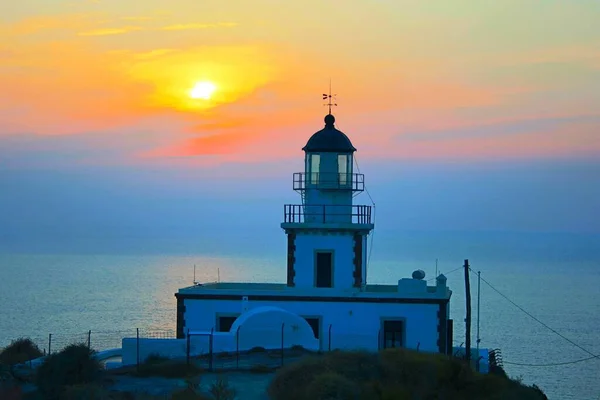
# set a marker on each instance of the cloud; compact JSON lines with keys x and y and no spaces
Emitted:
{"x":42,"y":24}
{"x":567,"y":137}
{"x":138,"y":18}
{"x":216,"y":144}
{"x":500,"y":129}
{"x":176,"y":27}
{"x":153,"y":53}
{"x":194,"y":26}
{"x":110,"y":31}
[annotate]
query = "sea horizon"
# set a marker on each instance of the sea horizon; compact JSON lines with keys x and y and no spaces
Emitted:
{"x":70,"y":294}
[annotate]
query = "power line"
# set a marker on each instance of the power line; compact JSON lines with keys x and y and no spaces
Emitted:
{"x":551,"y":364}
{"x":593,"y":356}
{"x":445,"y":273}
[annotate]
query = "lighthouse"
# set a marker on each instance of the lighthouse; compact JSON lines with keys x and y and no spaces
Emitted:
{"x":325,"y":302}
{"x":327,"y":233}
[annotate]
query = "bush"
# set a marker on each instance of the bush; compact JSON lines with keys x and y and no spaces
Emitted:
{"x":221,"y":390}
{"x":72,"y":366}
{"x":257,"y":349}
{"x":84,"y":392}
{"x":167,"y":369}
{"x":392,"y":374}
{"x":261,"y":369}
{"x":155,"y":358}
{"x":332,"y":386}
{"x":19,"y":351}
{"x":189,"y":394}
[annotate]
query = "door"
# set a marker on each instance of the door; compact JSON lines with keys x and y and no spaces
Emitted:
{"x":324,"y":269}
{"x":393,"y":332}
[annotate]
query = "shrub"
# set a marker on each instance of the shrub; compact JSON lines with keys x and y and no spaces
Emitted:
{"x":222,"y":390}
{"x":291,"y":381}
{"x":257,"y":349}
{"x":84,"y":392}
{"x":72,"y":366}
{"x":392,"y":374}
{"x":261,"y":369}
{"x":19,"y":351}
{"x":167,"y":369}
{"x":155,"y":358}
{"x":189,"y":394}
{"x":332,"y":386}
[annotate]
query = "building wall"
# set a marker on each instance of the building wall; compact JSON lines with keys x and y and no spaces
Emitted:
{"x":353,"y":325}
{"x":342,"y":245}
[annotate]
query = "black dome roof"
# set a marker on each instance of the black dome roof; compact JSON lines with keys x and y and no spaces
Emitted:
{"x":329,"y":139}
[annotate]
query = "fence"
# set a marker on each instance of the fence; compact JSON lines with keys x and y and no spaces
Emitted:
{"x":241,"y":350}
{"x":256,"y":349}
{"x":96,"y":340}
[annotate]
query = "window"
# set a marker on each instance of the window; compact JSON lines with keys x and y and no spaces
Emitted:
{"x":343,"y":169}
{"x":393,"y":332}
{"x":315,"y":162}
{"x":324,"y":269}
{"x":224,"y":323}
{"x":315,"y":324}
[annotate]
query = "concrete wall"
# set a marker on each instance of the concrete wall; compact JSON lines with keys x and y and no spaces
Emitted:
{"x":176,"y":348}
{"x":343,"y":257}
{"x":354,"y":325}
{"x":267,"y":327}
{"x":171,"y":348}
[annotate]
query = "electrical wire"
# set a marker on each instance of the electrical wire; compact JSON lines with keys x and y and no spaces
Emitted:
{"x":445,"y":273}
{"x":551,"y":364}
{"x":593,"y":356}
{"x":374,"y":214}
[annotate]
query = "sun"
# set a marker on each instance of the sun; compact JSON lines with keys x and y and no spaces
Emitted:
{"x":203,"y":90}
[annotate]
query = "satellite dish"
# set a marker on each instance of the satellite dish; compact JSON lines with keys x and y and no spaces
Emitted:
{"x":418,"y":274}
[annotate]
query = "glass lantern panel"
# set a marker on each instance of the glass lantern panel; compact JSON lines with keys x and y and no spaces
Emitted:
{"x":315,"y":163}
{"x":343,"y":169}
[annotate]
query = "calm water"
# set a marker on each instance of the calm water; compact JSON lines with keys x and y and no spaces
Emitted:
{"x":555,"y":277}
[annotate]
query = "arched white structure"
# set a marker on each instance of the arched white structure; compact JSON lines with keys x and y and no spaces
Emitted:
{"x":267,"y":326}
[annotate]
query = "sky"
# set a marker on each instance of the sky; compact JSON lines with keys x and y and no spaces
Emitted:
{"x":467,"y":115}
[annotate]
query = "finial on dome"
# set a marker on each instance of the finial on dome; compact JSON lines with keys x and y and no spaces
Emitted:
{"x":329,"y":120}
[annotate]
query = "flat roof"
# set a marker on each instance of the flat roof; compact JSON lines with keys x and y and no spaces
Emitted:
{"x":281,"y":289}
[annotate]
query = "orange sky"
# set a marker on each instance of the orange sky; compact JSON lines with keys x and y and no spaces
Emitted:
{"x":415,"y":80}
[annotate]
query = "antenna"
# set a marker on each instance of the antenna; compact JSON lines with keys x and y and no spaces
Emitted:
{"x":195,"y":282}
{"x":218,"y":274}
{"x":330,"y":97}
{"x":436,"y":268}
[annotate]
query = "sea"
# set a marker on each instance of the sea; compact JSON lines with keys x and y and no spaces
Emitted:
{"x":539,"y":293}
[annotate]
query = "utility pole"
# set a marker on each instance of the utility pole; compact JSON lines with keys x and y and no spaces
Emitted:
{"x":478,"y":307}
{"x":468,"y":317}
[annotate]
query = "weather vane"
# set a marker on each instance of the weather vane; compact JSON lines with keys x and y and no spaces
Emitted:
{"x":331,"y":98}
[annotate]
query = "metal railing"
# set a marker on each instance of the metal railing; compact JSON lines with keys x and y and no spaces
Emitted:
{"x":300,"y":213}
{"x":329,"y":181}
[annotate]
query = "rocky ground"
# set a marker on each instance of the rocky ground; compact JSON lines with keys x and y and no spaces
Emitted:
{"x":248,"y":386}
{"x":249,"y":374}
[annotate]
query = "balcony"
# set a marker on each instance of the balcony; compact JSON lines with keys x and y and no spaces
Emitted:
{"x":327,"y":214}
{"x":329,"y":181}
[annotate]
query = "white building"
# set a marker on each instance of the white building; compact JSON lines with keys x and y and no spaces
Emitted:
{"x":326,"y":302}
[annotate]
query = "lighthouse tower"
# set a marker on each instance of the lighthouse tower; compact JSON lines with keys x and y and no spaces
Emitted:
{"x":327,"y":233}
